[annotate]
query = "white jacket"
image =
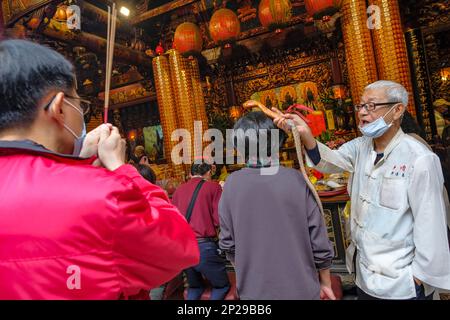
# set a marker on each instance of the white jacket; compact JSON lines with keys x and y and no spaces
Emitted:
{"x":398,"y":215}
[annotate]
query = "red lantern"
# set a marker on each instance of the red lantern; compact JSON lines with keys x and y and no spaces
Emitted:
{"x":188,"y":38}
{"x":275,"y":14}
{"x":34,"y":23}
{"x":320,"y":8}
{"x":159,"y":49}
{"x":316,"y":123}
{"x":132,"y":135}
{"x":224,"y":26}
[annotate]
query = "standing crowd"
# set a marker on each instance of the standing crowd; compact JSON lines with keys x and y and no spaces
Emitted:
{"x":77,"y":222}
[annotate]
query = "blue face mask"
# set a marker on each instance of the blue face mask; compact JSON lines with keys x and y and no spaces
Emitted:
{"x":377,"y":128}
{"x":78,"y":143}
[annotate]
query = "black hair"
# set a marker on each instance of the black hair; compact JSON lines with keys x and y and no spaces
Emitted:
{"x":409,"y":125}
{"x":28,"y":71}
{"x":200,"y":169}
{"x":146,"y":172}
{"x":258,"y":122}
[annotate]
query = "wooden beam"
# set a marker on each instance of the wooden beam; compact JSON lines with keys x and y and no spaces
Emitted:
{"x":133,"y":102}
{"x":161,"y":10}
{"x":258,"y":34}
{"x":102,"y":15}
{"x":98,"y":45}
{"x":436,"y":29}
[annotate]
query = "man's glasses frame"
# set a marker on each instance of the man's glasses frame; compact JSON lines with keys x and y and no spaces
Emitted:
{"x":371,"y":106}
{"x":85,"y":105}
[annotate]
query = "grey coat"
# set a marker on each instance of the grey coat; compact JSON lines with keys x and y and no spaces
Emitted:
{"x":272,"y":228}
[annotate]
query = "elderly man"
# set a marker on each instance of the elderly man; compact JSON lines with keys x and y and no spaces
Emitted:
{"x":399,"y":244}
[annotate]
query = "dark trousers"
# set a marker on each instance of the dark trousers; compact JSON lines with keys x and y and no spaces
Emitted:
{"x":420,"y":292}
{"x":212,"y":267}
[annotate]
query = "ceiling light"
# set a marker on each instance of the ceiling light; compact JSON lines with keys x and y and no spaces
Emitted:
{"x":125,"y":11}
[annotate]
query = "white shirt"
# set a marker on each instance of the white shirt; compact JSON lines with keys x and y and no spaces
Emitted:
{"x":398,"y":215}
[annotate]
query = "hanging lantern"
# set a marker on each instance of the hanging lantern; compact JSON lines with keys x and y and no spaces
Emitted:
{"x":316,"y":122}
{"x":275,"y":14}
{"x":34,"y":23}
{"x":132,"y":135}
{"x":224,"y":26}
{"x":188,"y":38}
{"x":159,"y":49}
{"x":320,"y":8}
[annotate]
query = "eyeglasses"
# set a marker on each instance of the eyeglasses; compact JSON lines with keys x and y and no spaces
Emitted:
{"x":372,"y":106}
{"x":85,"y":105}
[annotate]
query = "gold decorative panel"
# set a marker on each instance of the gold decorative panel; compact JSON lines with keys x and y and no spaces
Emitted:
{"x":181,"y":77}
{"x":285,"y":73}
{"x":166,"y":104}
{"x":358,"y":47}
{"x":199,"y":101}
{"x":390,"y":47}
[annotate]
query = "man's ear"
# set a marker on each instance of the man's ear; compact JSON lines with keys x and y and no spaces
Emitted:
{"x":399,"y":111}
{"x":55,"y":109}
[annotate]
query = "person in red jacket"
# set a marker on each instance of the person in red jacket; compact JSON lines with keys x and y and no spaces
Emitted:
{"x":76,"y":222}
{"x":198,"y":200}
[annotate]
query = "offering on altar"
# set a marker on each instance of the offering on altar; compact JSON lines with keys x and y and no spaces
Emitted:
{"x":329,"y":184}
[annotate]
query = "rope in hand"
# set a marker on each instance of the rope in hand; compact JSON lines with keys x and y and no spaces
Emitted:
{"x":298,"y":145}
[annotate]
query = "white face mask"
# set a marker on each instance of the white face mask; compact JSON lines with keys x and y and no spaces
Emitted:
{"x":78,"y":143}
{"x":377,"y":128}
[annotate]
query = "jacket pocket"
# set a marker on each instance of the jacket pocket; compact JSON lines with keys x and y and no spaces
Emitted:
{"x":384,"y":285}
{"x":392,"y":193}
{"x":385,"y":267}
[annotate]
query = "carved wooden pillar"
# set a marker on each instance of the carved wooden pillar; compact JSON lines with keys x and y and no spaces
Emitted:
{"x":231,"y":95}
{"x":421,"y":82}
{"x":336,"y":71}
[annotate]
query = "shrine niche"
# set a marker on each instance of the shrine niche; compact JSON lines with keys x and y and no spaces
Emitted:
{"x":306,"y":93}
{"x":276,"y":76}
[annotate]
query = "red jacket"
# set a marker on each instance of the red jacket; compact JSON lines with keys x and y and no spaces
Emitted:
{"x":205,"y":214}
{"x":72,"y":231}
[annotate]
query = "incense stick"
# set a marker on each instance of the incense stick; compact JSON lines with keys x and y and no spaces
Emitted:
{"x":112,"y":14}
{"x":105,"y":107}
